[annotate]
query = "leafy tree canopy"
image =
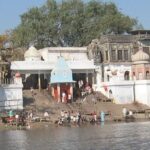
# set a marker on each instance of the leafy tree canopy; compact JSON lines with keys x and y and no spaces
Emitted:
{"x":70,"y":23}
{"x":3,"y":39}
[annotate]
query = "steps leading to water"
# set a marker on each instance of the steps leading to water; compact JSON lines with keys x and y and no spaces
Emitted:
{"x":42,"y":101}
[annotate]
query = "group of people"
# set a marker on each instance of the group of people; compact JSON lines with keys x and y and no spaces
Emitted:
{"x":127,"y":113}
{"x":22,"y":119}
{"x":76,"y":118}
{"x":96,"y":118}
{"x":69,"y":117}
{"x":66,"y":97}
{"x":84,"y":88}
{"x":18,"y":118}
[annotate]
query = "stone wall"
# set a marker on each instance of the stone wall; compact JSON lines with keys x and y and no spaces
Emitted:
{"x":124,"y":92}
{"x":11,"y":96}
{"x":142,"y":94}
{"x":116,"y":72}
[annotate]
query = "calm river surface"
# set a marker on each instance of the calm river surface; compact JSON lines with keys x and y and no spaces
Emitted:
{"x":123,"y":136}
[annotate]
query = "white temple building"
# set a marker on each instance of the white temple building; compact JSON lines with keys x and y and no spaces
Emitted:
{"x":113,"y":80}
{"x":41,"y":62}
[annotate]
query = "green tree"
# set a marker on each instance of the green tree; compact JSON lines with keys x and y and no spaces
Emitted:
{"x":71,"y":19}
{"x":3,"y":38}
{"x":70,"y":23}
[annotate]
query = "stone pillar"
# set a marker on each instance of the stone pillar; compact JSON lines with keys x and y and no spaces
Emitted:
{"x":87,"y":77}
{"x":144,"y":72}
{"x":39,"y":81}
{"x":52,"y":91}
{"x":116,"y":54}
{"x":98,"y":79}
{"x":58,"y":91}
{"x":93,"y":78}
{"x":71,"y":91}
{"x":0,"y":77}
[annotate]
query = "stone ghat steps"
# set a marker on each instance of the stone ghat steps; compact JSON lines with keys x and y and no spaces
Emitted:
{"x":38,"y":99}
{"x":100,"y":96}
{"x":42,"y":101}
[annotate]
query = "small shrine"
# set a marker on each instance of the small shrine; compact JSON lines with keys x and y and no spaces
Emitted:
{"x":32,"y":54}
{"x":140,"y":65}
{"x":61,"y":82}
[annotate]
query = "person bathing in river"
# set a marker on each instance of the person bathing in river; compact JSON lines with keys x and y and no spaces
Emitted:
{"x":95,"y":116}
{"x":78,"y":117}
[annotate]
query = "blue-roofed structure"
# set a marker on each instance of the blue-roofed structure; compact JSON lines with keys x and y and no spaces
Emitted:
{"x":61,"y":81}
{"x":61,"y":72}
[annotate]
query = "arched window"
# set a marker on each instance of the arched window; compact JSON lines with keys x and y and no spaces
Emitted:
{"x":147,"y":75}
{"x":98,"y":58}
{"x":108,"y":78}
{"x":126,"y":75}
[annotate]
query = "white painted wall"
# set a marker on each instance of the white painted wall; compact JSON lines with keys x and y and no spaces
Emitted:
{"x":119,"y":68}
{"x":69,"y":53}
{"x":123,"y":91}
{"x":11,"y":96}
{"x":142,"y":94}
{"x":33,"y":58}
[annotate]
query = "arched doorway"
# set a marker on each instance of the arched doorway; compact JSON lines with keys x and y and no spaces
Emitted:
{"x":98,"y":57}
{"x":147,"y":75}
{"x":126,"y":75}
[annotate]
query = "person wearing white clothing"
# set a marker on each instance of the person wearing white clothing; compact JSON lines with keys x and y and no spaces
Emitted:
{"x":124,"y":111}
{"x":63,"y":97}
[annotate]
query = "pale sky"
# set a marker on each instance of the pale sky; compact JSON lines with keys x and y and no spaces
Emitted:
{"x":10,"y":11}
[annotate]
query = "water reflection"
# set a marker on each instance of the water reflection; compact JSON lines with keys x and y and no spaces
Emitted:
{"x":15,"y":140}
{"x":133,"y":136}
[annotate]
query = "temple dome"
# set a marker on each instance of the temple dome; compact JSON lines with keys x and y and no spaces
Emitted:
{"x":32,"y":52}
{"x":61,"y":72}
{"x":140,"y":56}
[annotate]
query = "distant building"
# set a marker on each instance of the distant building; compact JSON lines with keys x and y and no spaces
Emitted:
{"x":122,"y":66}
{"x":141,"y":65}
{"x":112,"y":64}
{"x":112,"y":53}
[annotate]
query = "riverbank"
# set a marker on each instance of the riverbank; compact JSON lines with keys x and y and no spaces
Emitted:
{"x":42,"y":125}
{"x":41,"y":102}
{"x":53,"y":122}
{"x":88,"y":108}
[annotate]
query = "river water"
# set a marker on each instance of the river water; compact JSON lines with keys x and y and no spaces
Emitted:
{"x":123,"y":136}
